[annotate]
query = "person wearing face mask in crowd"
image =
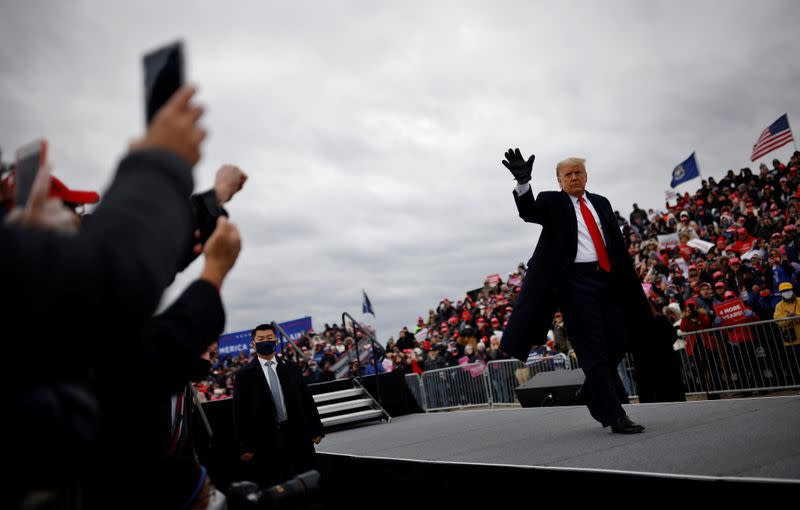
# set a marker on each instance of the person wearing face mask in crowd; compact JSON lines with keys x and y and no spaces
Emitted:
{"x":276,"y":422}
{"x":340,"y":348}
{"x":789,"y":306}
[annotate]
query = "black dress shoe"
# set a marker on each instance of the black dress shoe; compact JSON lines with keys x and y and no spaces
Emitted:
{"x":624,"y":425}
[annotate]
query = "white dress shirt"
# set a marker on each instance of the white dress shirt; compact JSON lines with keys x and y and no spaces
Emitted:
{"x":586,"y":251}
{"x":264,"y":368}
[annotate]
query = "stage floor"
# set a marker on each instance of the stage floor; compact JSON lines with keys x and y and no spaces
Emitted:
{"x":749,"y":438}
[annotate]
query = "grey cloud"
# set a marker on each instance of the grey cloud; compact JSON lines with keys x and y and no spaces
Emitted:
{"x":373,"y":133}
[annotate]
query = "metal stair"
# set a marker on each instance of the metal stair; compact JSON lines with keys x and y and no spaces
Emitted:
{"x":348,"y":408}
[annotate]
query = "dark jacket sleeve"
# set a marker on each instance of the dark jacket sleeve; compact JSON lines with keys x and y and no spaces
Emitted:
{"x":529,"y":208}
{"x":180,"y":334}
{"x":108,"y":278}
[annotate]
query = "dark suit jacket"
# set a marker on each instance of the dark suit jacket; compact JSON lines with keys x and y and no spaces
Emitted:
{"x":254,"y":411}
{"x":136,"y":440}
{"x":542,"y":290}
{"x":99,"y":290}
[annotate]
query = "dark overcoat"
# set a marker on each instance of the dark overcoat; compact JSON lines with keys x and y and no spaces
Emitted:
{"x":543,"y":289}
{"x":255,"y":422}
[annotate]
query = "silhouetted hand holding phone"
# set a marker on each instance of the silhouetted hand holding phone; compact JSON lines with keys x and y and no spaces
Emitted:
{"x":176,"y":128}
{"x":42,"y":212}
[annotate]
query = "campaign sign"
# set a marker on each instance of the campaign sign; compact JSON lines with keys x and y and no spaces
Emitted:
{"x":233,"y":343}
{"x":667,"y":241}
{"x":731,"y":311}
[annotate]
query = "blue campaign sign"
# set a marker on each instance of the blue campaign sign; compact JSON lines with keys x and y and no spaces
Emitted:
{"x":231,"y":344}
{"x":296,"y":328}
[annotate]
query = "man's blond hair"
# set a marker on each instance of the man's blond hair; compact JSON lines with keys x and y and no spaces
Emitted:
{"x":581,"y":162}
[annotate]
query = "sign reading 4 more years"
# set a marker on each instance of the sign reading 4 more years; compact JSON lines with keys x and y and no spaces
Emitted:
{"x":731,"y":311}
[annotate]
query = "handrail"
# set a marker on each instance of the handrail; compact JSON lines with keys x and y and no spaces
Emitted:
{"x":284,"y":336}
{"x":374,"y":353}
{"x":388,"y":417}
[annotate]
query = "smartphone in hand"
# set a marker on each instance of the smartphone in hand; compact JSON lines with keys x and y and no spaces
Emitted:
{"x":30,"y":158}
{"x":163,"y":76}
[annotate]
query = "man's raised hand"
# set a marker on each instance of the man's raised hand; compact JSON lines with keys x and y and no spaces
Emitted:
{"x":519,"y":168}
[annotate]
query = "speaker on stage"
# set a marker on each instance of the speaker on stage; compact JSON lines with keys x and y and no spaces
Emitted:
{"x":558,"y":388}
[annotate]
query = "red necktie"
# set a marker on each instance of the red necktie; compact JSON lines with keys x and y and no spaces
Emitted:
{"x":597,"y":239}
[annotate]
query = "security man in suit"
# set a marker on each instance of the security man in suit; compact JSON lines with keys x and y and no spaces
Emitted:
{"x":581,"y":267}
{"x":275,"y":418}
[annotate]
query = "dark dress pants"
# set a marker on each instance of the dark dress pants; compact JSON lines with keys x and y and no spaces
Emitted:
{"x":594,"y":318}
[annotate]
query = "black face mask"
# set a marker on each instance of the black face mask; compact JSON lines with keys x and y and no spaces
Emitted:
{"x":199,"y":369}
{"x":266,"y":348}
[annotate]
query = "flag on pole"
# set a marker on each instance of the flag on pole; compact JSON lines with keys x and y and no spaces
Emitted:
{"x":366,"y":306}
{"x":776,"y":135}
{"x":686,"y":171}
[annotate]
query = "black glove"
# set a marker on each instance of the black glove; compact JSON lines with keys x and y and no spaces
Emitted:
{"x":517,"y":165}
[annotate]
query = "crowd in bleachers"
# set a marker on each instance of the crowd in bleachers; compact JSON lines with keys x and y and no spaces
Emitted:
{"x":736,"y":238}
{"x":733,"y":239}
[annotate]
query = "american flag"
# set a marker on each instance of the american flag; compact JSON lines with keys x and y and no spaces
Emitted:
{"x":776,"y":135}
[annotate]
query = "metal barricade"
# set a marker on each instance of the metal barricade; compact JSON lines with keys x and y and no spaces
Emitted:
{"x":505,"y":375}
{"x":757,"y":356}
{"x":456,"y":387}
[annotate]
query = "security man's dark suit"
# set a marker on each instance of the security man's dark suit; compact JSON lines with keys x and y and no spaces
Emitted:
{"x":604,"y":312}
{"x":279,"y":450}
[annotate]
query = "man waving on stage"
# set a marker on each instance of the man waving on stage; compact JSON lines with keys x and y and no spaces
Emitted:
{"x":582,"y":268}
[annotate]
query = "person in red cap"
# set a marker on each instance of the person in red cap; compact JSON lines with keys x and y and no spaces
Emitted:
{"x":108,"y":279}
{"x":73,"y":199}
{"x":701,"y":348}
{"x":743,"y":241}
{"x":740,"y":278}
{"x":61,"y":211}
{"x":737,"y":353}
{"x":581,"y":266}
{"x":560,"y":338}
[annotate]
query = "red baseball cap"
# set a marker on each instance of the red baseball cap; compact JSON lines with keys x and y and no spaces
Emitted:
{"x":60,"y":190}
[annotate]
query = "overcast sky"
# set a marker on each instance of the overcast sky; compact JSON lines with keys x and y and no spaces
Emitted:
{"x":373,"y":131}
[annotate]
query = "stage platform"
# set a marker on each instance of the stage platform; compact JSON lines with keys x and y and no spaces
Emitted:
{"x":747,"y":440}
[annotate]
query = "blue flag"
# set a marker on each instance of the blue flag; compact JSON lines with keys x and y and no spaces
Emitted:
{"x":685,"y":171}
{"x":366,"y":306}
